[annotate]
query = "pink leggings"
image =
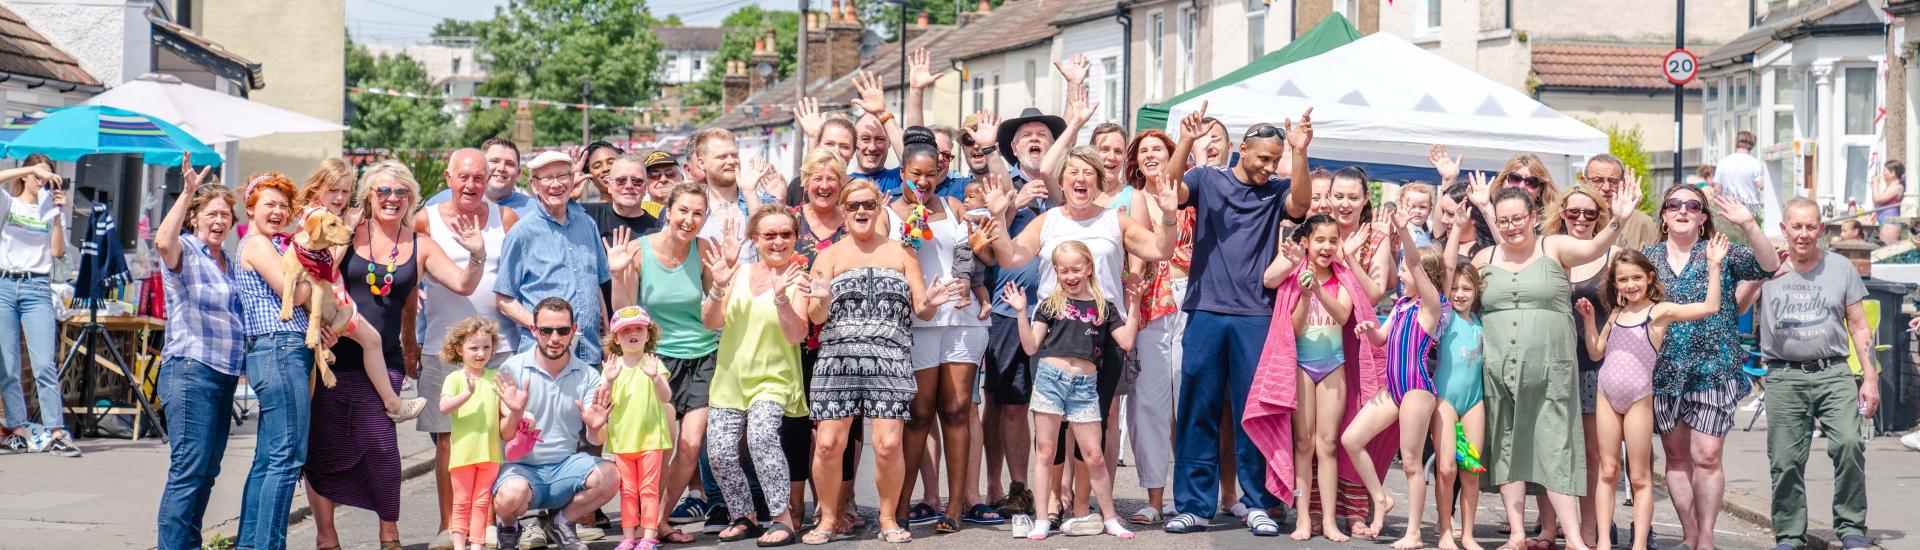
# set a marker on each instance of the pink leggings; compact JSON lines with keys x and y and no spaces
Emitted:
{"x":473,"y":497}
{"x":640,"y":488}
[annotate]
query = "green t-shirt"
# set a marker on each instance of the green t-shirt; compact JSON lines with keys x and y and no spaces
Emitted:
{"x":672,"y":298}
{"x":639,"y":421}
{"x":476,"y":424}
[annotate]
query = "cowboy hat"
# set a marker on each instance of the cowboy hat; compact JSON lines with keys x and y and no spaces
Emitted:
{"x":1011,"y":126}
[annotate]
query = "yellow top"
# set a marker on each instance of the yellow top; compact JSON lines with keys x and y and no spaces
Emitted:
{"x":756,"y":363}
{"x":639,"y":420}
{"x":476,"y":424}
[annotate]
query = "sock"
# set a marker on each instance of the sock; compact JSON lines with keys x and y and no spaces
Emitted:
{"x":1114,"y":528}
{"x":1039,"y":531}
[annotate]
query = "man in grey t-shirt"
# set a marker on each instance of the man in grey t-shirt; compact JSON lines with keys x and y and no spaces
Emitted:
{"x":1808,"y":314}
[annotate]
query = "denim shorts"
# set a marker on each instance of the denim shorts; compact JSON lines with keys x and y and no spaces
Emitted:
{"x":553,"y":485}
{"x":1074,"y":396}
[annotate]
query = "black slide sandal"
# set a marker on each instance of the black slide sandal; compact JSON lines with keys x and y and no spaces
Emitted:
{"x":777,"y":528}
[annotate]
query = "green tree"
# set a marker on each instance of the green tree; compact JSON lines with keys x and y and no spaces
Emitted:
{"x":542,"y":50}
{"x":743,"y":26}
{"x":1625,"y":143}
{"x":457,"y":28}
{"x":383,"y":121}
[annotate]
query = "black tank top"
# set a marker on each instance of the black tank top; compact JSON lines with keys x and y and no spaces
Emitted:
{"x":383,"y":311}
{"x":1590,"y":289}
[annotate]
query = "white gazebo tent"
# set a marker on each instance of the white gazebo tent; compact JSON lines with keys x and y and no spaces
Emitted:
{"x":1381,"y":100}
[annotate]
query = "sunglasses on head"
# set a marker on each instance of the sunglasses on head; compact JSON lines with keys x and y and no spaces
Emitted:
{"x":555,"y":331}
{"x":1262,"y":131}
{"x":856,"y":206}
{"x":1583,"y":214}
{"x":1529,"y":181}
{"x":1690,"y":205}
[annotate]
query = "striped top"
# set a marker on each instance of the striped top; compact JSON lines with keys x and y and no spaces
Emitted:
{"x":260,"y":305}
{"x":203,"y":302}
{"x":1408,"y":345}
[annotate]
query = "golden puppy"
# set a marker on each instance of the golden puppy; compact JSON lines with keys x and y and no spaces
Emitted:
{"x":310,"y":259}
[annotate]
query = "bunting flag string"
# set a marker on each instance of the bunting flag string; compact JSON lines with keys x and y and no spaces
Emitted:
{"x":509,"y":103}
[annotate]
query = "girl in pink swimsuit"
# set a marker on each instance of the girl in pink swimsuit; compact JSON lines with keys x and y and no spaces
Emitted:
{"x":1627,"y":346}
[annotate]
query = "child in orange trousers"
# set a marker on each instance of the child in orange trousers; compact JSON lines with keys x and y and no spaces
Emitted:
{"x":639,"y":430}
{"x":468,"y":398}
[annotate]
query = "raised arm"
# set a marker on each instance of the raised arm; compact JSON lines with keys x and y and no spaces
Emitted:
{"x":721,"y":262}
{"x":872,"y":98}
{"x":1176,"y":167}
{"x":1299,"y":135}
{"x":166,"y":239}
{"x":1573,"y":252}
{"x":461,"y":279}
{"x":920,"y":75}
{"x":1030,"y":331}
{"x":1152,"y":244}
{"x":1079,"y":110}
{"x":1126,"y":334}
{"x":1428,"y":291}
{"x":1738,"y":214}
{"x":1008,"y":251}
{"x":1284,"y":259}
{"x":1596,"y":338}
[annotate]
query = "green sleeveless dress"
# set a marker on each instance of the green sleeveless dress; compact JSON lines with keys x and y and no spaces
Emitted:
{"x":1532,"y":392}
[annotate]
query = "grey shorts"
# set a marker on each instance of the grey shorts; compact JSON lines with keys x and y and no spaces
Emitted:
{"x":1708,"y":411}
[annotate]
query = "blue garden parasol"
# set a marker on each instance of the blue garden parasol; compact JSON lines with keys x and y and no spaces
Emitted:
{"x":68,"y":133}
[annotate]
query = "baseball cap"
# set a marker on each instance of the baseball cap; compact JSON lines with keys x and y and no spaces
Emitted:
{"x":546,"y":158}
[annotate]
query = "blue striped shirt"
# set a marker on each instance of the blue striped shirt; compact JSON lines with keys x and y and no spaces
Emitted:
{"x":542,"y":257}
{"x":203,"y":310}
{"x":260,"y":305}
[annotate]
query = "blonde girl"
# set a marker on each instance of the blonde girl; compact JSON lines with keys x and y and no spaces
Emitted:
{"x":640,"y":428}
{"x":1627,"y":347}
{"x":1076,"y":322}
{"x":468,"y":399}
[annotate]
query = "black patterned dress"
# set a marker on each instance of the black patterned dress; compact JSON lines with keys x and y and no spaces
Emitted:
{"x":864,"y":367}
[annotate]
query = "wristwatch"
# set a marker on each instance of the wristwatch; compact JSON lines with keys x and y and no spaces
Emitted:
{"x":988,"y":150}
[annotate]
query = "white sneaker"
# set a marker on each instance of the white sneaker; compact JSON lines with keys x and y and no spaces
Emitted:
{"x":1239,"y":510}
{"x":1911,"y":441}
{"x":442,"y":541}
{"x":1083,"y":526}
{"x":533,"y":534}
{"x":1022,"y":525}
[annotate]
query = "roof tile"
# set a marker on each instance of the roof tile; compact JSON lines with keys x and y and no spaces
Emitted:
{"x":24,"y":51}
{"x":1604,"y":67}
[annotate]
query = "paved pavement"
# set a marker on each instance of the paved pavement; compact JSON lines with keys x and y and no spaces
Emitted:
{"x":108,"y":500}
{"x":417,"y":525}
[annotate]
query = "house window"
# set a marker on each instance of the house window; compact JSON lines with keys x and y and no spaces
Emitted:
{"x":979,"y":93}
{"x":1785,"y":96}
{"x":1111,"y":67}
{"x":1861,"y":104}
{"x":1189,"y":39}
{"x":1256,"y":29}
{"x":996,"y":92}
{"x":1156,"y":52}
{"x":673,"y":62}
{"x":1713,"y":93}
{"x":697,"y":62}
{"x":1429,"y":16}
{"x":456,"y":65}
{"x":1740,"y":92}
{"x":1032,"y":80}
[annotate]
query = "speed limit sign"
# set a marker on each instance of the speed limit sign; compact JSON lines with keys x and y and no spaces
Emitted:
{"x":1680,"y":67}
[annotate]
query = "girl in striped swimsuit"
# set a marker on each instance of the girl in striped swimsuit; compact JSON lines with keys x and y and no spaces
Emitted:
{"x":1409,"y":337}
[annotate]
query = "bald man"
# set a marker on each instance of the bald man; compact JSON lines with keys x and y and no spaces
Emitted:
{"x":467,"y":174}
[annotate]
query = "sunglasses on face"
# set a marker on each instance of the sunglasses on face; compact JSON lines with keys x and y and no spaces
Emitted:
{"x":780,"y":235}
{"x":555,"y":331}
{"x":1583,"y":214}
{"x":856,"y":206}
{"x":967,"y":138}
{"x":626,"y":181}
{"x":1689,"y":205}
{"x":386,"y":192}
{"x":1528,"y":181}
{"x":946,"y":156}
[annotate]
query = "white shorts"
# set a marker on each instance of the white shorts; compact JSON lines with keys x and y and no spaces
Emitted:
{"x":935,"y":346}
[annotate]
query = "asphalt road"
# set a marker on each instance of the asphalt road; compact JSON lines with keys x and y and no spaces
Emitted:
{"x":419,"y":519}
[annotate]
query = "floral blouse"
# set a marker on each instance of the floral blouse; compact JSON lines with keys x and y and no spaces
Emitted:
{"x":1159,"y":300}
{"x":808,"y":244}
{"x":1696,"y":355}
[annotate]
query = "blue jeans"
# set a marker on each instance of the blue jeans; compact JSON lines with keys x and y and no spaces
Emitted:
{"x":26,"y":308}
{"x":278,"y":366}
{"x":1220,"y":355}
{"x":199,"y":407}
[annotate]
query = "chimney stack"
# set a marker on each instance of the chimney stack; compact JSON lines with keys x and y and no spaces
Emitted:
{"x":818,"y":56}
{"x":919,"y":28}
{"x":843,"y":43}
{"x":922,"y":22}
{"x":734,"y":88}
{"x":769,"y":56}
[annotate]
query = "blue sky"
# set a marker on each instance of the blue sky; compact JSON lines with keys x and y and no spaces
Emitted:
{"x":408,"y":21}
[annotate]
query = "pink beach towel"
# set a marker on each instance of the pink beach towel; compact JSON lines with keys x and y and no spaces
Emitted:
{"x":1271,"y":401}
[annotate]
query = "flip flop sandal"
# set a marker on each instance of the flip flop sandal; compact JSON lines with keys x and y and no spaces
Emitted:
{"x":1146,"y":516}
{"x":946,"y":525}
{"x":978,"y":515}
{"x":921,"y":514}
{"x":777,"y":528}
{"x":1542,"y":544}
{"x":817,"y":537}
{"x":749,"y":530}
{"x":896,"y":536}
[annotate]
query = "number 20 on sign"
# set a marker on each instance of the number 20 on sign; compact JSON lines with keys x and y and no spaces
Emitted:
{"x":1680,"y":66}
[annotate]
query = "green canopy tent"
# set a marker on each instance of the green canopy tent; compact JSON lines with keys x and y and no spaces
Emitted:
{"x":1332,"y":32}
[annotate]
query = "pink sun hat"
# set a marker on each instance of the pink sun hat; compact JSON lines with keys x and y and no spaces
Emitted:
{"x":630,"y":316}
